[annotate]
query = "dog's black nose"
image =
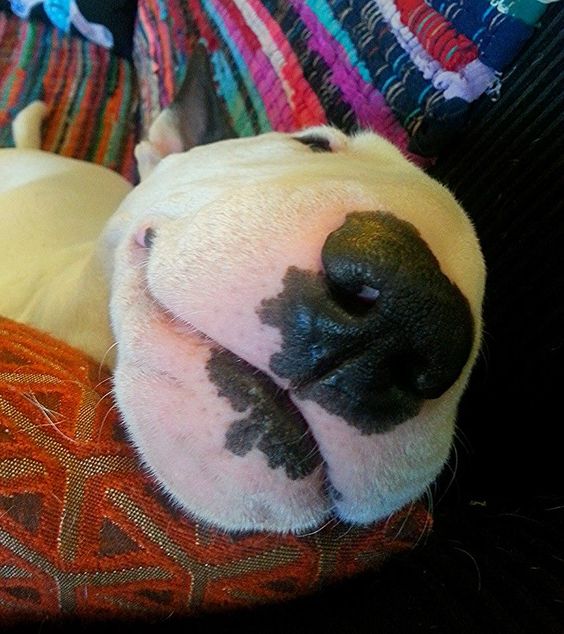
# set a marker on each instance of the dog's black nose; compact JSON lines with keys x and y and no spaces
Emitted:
{"x":382,"y":273}
{"x":379,"y":331}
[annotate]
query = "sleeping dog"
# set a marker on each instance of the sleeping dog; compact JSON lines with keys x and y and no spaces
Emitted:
{"x":291,"y":318}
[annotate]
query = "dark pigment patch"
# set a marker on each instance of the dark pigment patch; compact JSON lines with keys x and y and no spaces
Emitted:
{"x":273,"y":425}
{"x":372,"y":363}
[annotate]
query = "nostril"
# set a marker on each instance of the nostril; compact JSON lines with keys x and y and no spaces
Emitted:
{"x":403,"y":369}
{"x":356,"y":301}
{"x":368,"y":294}
{"x":145,"y":237}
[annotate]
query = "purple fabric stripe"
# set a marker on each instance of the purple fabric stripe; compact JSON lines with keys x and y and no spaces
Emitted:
{"x":369,"y":105}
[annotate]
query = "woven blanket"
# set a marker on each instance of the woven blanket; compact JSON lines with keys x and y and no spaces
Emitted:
{"x":90,"y":93}
{"x":408,"y":69}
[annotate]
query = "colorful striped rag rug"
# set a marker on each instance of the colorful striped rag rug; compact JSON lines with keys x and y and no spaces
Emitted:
{"x":90,"y":93}
{"x":408,"y":69}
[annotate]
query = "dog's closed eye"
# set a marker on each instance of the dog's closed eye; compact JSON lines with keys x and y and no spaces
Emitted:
{"x":315,"y":142}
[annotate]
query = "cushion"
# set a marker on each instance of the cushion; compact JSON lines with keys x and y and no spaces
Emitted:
{"x":90,"y":93}
{"x":409,"y":69}
{"x":84,"y":530}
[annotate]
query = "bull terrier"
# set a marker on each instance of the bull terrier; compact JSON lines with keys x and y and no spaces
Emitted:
{"x":291,"y":319}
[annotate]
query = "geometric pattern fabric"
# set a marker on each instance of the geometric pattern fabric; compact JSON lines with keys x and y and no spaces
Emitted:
{"x":84,"y":529}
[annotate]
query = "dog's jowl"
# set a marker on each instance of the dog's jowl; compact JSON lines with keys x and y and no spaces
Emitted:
{"x":295,"y":316}
{"x":270,"y":423}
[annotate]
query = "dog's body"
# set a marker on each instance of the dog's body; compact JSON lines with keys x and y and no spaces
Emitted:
{"x":296,"y":317}
{"x":50,"y":273}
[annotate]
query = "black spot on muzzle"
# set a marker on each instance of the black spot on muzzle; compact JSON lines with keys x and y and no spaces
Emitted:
{"x":378,"y":332}
{"x":270,"y":422}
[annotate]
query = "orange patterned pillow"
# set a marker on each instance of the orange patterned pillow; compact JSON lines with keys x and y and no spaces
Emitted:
{"x":84,"y":530}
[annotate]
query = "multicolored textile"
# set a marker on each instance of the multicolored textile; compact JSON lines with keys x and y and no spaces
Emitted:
{"x":90,"y":93}
{"x":84,"y":531}
{"x":408,"y":69}
{"x":109,"y":24}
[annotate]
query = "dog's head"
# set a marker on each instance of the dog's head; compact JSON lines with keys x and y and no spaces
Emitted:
{"x":296,"y":317}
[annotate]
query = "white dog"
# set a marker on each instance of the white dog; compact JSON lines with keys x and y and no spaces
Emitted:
{"x":295,"y":316}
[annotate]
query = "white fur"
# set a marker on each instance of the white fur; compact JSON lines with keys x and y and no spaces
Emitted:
{"x":230,"y":218}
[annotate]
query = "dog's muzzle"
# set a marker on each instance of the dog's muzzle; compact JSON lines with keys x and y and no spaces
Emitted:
{"x":320,"y":397}
{"x":381,"y":329}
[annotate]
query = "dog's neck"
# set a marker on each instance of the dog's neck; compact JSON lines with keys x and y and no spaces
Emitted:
{"x":71,"y":303}
{"x":53,"y":251}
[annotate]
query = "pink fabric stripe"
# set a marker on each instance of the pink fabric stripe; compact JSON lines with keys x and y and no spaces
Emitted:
{"x":306,"y":107}
{"x":259,"y":66}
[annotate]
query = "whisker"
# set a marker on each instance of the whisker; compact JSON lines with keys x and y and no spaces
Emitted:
{"x":462,"y":438}
{"x":100,"y":383}
{"x":425,"y":529}
{"x":102,"y":362}
{"x":453,"y":469}
{"x":405,"y":519}
{"x":47,"y":413}
{"x":475,"y":562}
{"x":108,"y":394}
{"x":318,"y":529}
{"x":112,"y":408}
{"x":349,"y":528}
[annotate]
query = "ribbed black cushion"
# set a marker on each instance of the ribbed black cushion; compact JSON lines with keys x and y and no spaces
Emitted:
{"x":508,"y":171}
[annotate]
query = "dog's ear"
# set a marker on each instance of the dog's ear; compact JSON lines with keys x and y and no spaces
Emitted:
{"x":195,"y":117}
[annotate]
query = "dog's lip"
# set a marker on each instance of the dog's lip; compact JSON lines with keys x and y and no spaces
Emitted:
{"x":186,"y":328}
{"x":179,"y":324}
{"x":182,"y":326}
{"x":285,"y":394}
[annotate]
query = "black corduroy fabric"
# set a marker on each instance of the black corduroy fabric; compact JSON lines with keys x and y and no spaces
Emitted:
{"x":507,"y":171}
